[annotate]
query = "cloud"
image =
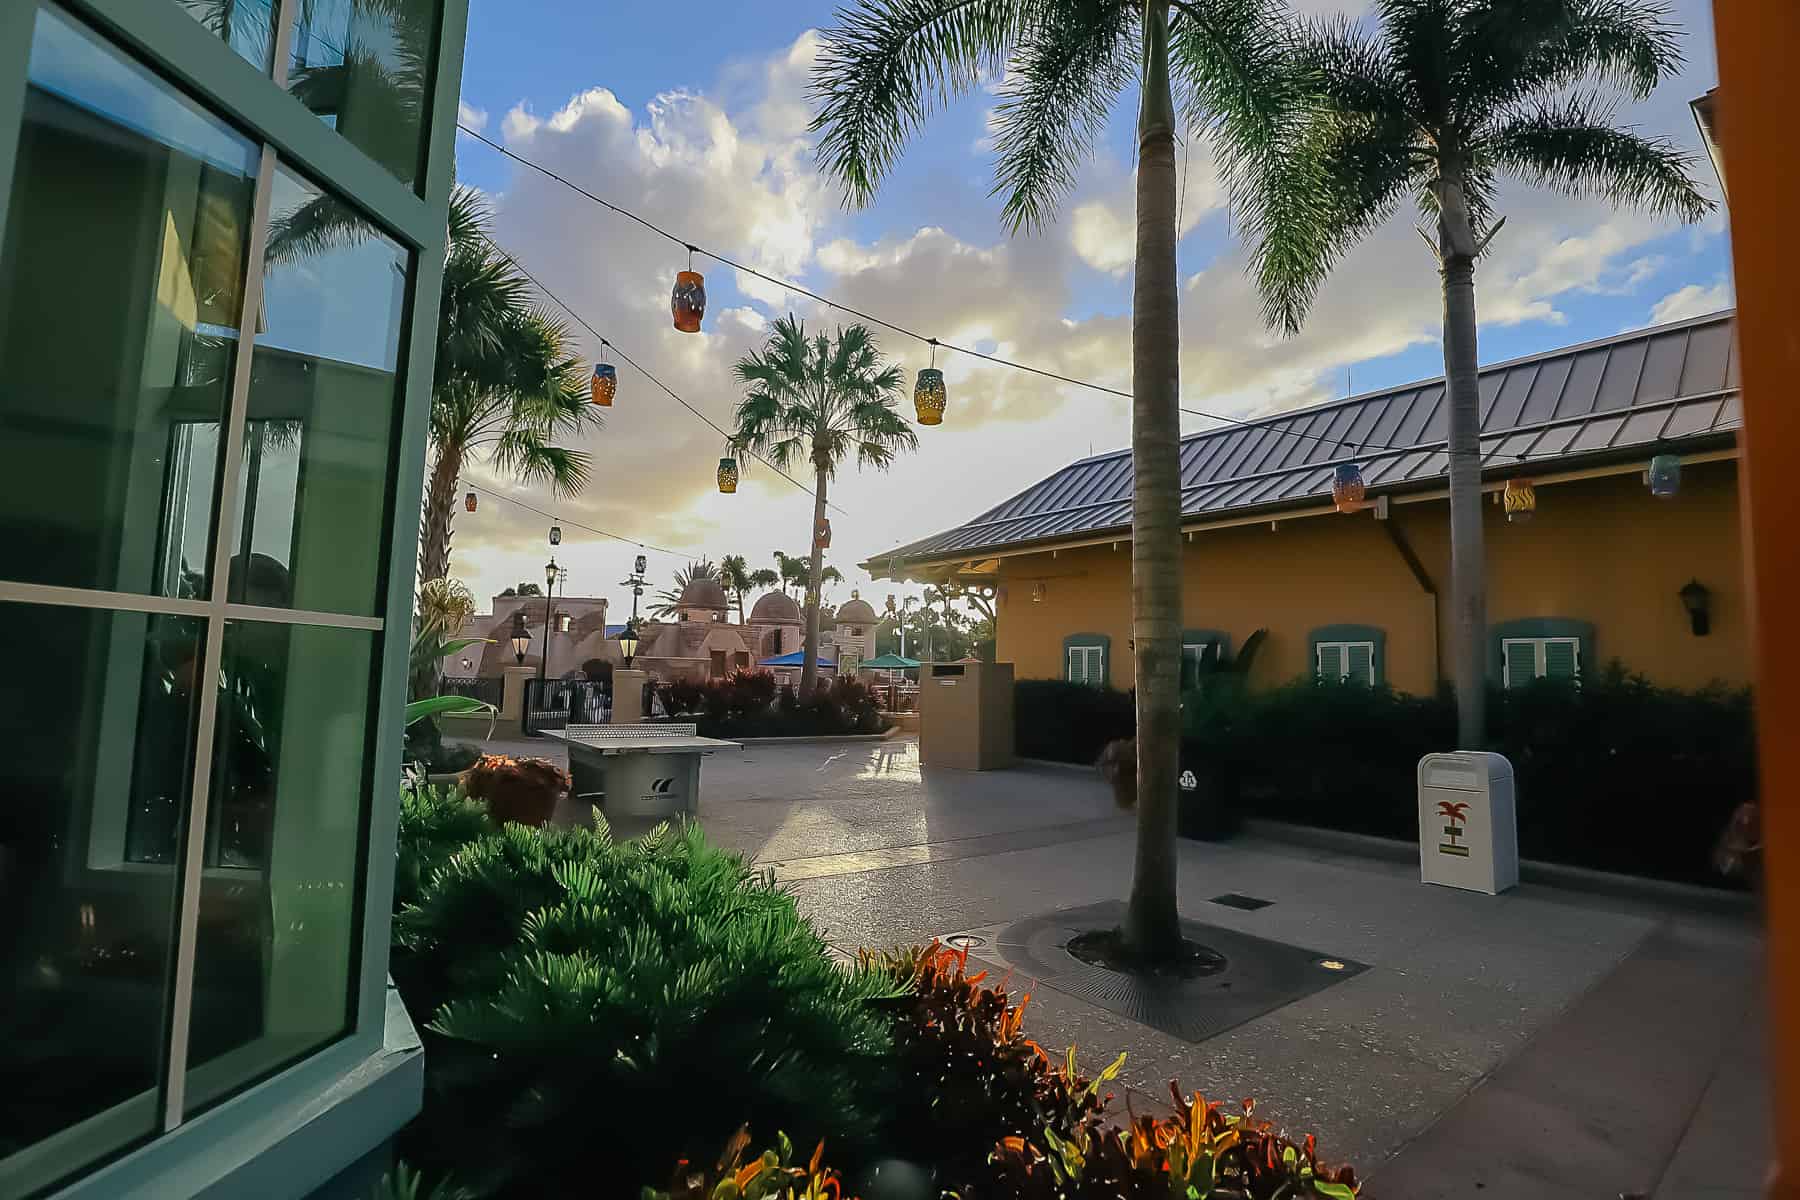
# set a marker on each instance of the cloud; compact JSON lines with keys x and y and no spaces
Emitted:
{"x":468,"y":114}
{"x":1693,"y":300}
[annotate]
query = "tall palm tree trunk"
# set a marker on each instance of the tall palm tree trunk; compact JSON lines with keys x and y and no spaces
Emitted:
{"x":809,"y":661}
{"x":440,"y":504}
{"x":1152,"y":924}
{"x":1468,"y":580}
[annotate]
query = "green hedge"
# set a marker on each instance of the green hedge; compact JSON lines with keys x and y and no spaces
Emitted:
{"x":1068,"y":722}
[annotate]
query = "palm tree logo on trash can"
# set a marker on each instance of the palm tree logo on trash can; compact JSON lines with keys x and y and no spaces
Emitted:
{"x":1456,"y":815}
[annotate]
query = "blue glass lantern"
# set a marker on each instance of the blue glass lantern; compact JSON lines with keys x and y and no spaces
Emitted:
{"x":1665,"y":476}
{"x":1347,"y":487}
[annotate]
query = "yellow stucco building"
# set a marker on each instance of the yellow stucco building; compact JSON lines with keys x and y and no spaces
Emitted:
{"x":1596,"y":574}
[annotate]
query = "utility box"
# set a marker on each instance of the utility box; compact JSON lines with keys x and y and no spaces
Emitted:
{"x":966,"y":715}
{"x":1468,"y":824}
{"x":638,"y":771}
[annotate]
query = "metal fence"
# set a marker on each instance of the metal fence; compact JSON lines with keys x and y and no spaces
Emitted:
{"x":559,"y":703}
{"x":486,"y":688}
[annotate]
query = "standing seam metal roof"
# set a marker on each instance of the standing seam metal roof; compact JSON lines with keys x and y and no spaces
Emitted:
{"x":1675,"y":383}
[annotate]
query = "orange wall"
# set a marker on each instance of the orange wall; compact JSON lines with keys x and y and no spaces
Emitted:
{"x":1600,"y":550}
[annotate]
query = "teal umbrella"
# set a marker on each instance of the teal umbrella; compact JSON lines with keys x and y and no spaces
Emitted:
{"x":890,"y":662}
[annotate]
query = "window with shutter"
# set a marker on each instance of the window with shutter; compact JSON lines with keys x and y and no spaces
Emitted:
{"x":1359,"y":663}
{"x":1331,"y":661}
{"x":1084,"y":658}
{"x":1562,"y":658}
{"x":1525,"y":659}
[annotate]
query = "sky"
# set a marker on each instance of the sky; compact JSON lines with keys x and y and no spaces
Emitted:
{"x":695,"y":117}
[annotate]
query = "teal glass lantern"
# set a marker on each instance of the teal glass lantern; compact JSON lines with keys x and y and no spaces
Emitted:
{"x":1665,"y":476}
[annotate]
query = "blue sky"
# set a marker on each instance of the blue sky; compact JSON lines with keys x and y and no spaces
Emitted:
{"x":695,"y":116}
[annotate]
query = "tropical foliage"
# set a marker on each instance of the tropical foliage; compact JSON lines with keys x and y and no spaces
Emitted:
{"x":735,"y":575}
{"x":816,"y":402}
{"x":1062,"y":65}
{"x":1439,"y":103}
{"x":667,"y":602}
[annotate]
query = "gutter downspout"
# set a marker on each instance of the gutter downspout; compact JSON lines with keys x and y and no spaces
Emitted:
{"x":1411,"y":558}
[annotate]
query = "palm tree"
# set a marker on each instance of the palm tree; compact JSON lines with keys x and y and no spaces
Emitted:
{"x":1440,"y":103}
{"x":1063,"y":64}
{"x":734,"y":574}
{"x":816,"y":401}
{"x":508,"y":382}
{"x":762,"y":579}
{"x":668,"y":601}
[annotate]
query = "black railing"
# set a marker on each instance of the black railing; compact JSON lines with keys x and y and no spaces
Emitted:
{"x":559,"y":703}
{"x":486,"y":688}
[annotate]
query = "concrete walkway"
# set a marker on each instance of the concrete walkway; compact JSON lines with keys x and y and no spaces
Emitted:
{"x":1539,"y":1045}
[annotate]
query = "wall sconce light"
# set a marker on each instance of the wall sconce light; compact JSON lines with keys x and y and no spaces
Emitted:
{"x":1697,"y":600}
{"x":1037,"y":592}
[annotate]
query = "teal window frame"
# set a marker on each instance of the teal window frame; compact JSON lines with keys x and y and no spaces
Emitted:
{"x":1088,"y":641}
{"x":293,"y":1130}
{"x":1351,"y":634}
{"x":1538,"y":629}
{"x":1198,"y":639}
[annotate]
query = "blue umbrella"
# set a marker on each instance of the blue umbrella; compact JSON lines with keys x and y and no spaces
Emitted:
{"x":795,"y":659}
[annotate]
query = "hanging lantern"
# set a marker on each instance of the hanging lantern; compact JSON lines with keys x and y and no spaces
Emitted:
{"x":604,"y":385}
{"x":688,"y":301}
{"x":728,"y":475}
{"x":929,"y":395}
{"x":822,"y":534}
{"x":1037,"y":592}
{"x":1347,"y":487}
{"x":469,"y":501}
{"x":1665,"y":476}
{"x":556,"y":535}
{"x":1520,"y":499}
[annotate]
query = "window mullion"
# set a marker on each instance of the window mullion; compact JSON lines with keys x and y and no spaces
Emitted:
{"x":287,"y":14}
{"x":194,"y":845}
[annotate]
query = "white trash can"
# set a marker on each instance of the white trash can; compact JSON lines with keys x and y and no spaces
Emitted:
{"x":1468,"y":826}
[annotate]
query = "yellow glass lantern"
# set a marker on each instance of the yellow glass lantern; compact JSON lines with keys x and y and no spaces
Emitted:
{"x":687,"y":303}
{"x":728,"y":475}
{"x":929,"y":394}
{"x":604,"y":385}
{"x":1347,"y":487}
{"x":1519,"y":499}
{"x":469,"y":501}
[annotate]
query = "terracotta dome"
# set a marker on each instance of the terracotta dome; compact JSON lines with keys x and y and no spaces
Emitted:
{"x":776,"y":608}
{"x":704,"y":592}
{"x":856,"y":611}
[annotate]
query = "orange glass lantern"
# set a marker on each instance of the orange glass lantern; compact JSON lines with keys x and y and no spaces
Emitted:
{"x":469,"y":501}
{"x":604,"y":385}
{"x":687,"y":303}
{"x":1347,"y":487}
{"x":728,"y":475}
{"x":1519,"y":499}
{"x":822,"y":534}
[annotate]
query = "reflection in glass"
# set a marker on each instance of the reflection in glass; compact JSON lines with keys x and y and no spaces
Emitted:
{"x":120,"y":294}
{"x":100,"y":727}
{"x":365,"y":67}
{"x":324,"y":399}
{"x":288,"y":802}
{"x":248,"y":26}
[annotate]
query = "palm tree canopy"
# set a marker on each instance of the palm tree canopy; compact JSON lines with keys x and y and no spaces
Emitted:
{"x":668,"y":601}
{"x":734,"y":573}
{"x":1443,"y":100}
{"x":1063,"y":63}
{"x":763,"y":579}
{"x":818,"y":400}
{"x":508,"y":378}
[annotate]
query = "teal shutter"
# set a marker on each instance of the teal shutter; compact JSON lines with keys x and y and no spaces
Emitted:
{"x":1077,"y":664}
{"x":1331,"y":662}
{"x":1562,"y":658}
{"x":1359,"y":660}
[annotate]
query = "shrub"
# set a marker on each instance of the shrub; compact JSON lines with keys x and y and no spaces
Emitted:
{"x":660,"y":988}
{"x":524,"y":790}
{"x":750,"y":704}
{"x":434,"y":824}
{"x":771,"y":1175}
{"x":1069,"y":722}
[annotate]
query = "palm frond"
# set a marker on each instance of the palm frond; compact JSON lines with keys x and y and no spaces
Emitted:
{"x":887,"y":64}
{"x":1233,"y":62}
{"x":1571,"y":145}
{"x":1511,"y":49}
{"x":1059,"y":88}
{"x":523,"y":454}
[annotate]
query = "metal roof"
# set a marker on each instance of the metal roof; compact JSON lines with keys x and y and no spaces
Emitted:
{"x":1671,"y":386}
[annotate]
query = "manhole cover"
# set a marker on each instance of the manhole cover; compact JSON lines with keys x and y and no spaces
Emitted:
{"x":1258,"y":975}
{"x":1239,"y":900}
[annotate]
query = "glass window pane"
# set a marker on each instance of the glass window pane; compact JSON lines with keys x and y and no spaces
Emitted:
{"x":365,"y":66}
{"x":101,"y":725}
{"x":120,"y":293}
{"x":248,"y":26}
{"x":274,"y":967}
{"x":324,"y":399}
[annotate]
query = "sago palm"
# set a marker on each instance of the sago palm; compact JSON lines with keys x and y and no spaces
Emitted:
{"x":817,"y":401}
{"x":1442,"y":101}
{"x":508,"y":383}
{"x":1063,"y":64}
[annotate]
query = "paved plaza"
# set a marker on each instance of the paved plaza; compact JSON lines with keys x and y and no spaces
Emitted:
{"x":1542,"y":1044}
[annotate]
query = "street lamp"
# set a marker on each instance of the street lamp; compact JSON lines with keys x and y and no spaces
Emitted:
{"x":628,"y":642}
{"x":521,"y":637}
{"x":550,"y":573}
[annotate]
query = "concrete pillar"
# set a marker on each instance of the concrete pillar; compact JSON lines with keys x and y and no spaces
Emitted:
{"x":512,"y":693}
{"x":628,"y":696}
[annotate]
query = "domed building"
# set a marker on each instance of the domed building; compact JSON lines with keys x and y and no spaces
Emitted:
{"x":853,"y":635}
{"x":776,"y":626}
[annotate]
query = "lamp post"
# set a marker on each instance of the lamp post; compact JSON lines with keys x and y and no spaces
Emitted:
{"x":628,"y":642}
{"x":521,"y":637}
{"x":551,"y":573}
{"x":636,"y":583}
